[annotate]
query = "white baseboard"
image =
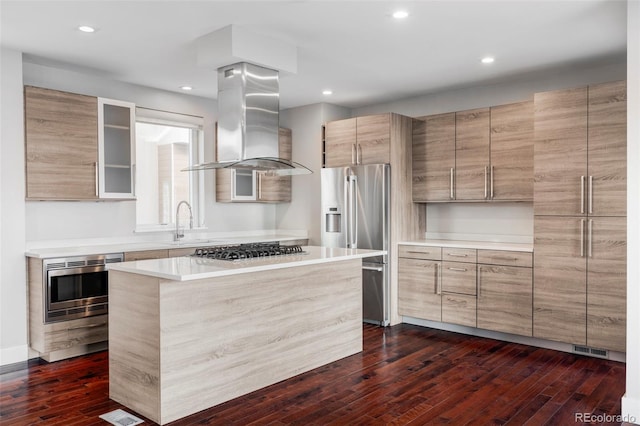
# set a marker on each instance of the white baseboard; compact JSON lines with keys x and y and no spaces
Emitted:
{"x":630,"y":410}
{"x":14,"y":354}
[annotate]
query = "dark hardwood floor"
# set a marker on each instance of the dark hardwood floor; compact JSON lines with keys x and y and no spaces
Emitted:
{"x":405,"y":375}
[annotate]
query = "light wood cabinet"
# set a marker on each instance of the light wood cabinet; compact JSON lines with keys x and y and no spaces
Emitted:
{"x":459,"y":309}
{"x":116,"y":149}
{"x":607,"y":283}
{"x":511,"y":174}
{"x":505,"y":298}
{"x":359,"y":140}
{"x":145,"y":254}
{"x":476,"y":155}
{"x":472,"y":154}
{"x":607,"y":140}
{"x":419,"y":292}
{"x":434,"y":157}
{"x":459,"y":277}
{"x":277,"y":189}
{"x":61,"y":135}
{"x":580,"y":208}
{"x":256,"y":186}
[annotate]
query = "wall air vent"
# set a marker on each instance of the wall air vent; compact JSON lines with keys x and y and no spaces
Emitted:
{"x":585,"y":350}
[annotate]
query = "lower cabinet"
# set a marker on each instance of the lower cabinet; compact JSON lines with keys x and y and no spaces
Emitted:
{"x":488,"y":289}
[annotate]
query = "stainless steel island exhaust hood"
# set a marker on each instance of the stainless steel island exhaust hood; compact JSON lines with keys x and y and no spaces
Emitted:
{"x":248,"y":108}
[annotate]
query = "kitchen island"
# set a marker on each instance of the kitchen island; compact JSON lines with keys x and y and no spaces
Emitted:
{"x":188,"y":333}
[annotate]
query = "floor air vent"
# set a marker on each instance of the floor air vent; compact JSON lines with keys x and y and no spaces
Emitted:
{"x":585,"y":350}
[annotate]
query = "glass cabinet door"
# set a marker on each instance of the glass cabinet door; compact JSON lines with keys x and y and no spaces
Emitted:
{"x":116,"y":149}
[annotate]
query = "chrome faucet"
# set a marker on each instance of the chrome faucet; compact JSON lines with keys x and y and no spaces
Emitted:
{"x":179,"y":234}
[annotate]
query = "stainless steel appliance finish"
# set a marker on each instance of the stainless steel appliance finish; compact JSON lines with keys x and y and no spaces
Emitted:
{"x":355,"y":214}
{"x":248,"y":122}
{"x":248,"y":251}
{"x":76,"y":287}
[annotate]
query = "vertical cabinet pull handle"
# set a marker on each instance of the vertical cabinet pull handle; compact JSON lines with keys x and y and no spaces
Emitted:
{"x":486,"y":173}
{"x":353,"y":154}
{"x":581,"y":194}
{"x":491,"y":178}
{"x":451,"y":184}
{"x":590,"y":237}
{"x":438,"y":278}
{"x":479,"y":280}
{"x":590,"y":194}
{"x":260,"y":186}
{"x":359,"y":154}
{"x":581,"y":237}
{"x":95,"y":166}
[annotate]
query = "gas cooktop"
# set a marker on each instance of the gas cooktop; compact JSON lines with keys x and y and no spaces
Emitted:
{"x":247,"y":251}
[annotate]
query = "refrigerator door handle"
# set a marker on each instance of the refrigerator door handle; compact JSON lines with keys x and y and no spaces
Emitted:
{"x":354,"y":212}
{"x":373,"y":268}
{"x":346,"y":203}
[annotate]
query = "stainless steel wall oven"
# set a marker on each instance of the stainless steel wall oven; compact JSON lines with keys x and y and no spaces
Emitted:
{"x":76,"y":287}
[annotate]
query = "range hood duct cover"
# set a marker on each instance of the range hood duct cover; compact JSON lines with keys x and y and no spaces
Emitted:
{"x":248,"y":107}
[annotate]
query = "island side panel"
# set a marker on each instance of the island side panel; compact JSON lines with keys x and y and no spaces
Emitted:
{"x":228,"y":336}
{"x":134,"y":342}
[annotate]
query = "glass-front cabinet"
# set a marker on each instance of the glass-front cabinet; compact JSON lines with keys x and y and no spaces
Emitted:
{"x":116,"y":149}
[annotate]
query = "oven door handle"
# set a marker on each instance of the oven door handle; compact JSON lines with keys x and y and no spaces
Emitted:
{"x":77,"y":270}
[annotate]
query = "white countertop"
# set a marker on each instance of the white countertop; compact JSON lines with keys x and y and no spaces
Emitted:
{"x":482,"y":245}
{"x":115,"y":247}
{"x":187,"y":268}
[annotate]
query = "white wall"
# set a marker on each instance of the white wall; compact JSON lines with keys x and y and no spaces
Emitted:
{"x":306,"y":129}
{"x":13,"y":301}
{"x":631,"y":400}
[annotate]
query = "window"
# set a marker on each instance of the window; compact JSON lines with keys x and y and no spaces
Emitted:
{"x":166,"y":143}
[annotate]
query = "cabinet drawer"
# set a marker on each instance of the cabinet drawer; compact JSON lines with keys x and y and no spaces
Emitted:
{"x":459,"y":254}
{"x":66,"y":334}
{"x":459,"y":309}
{"x":459,"y":277}
{"x":420,"y":252}
{"x":506,"y":258}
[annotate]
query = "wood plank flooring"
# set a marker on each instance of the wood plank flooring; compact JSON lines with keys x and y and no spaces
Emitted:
{"x":406,"y":375}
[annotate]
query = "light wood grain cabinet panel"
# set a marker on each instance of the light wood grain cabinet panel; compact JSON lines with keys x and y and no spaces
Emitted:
{"x":434,"y":157}
{"x":145,"y":254}
{"x":511,"y":176}
{"x":459,"y":309}
{"x":374,"y":138}
{"x":560,"y":279}
{"x":560,"y":151}
{"x":277,"y":189}
{"x":607,"y":153}
{"x":61,"y":134}
{"x":340,"y":143}
{"x":419,"y":292}
{"x":506,"y":258}
{"x":472,"y":154}
{"x":459,"y":277}
{"x":420,"y":252}
{"x":505,"y":296}
{"x":456,"y":254}
{"x":607,"y":283}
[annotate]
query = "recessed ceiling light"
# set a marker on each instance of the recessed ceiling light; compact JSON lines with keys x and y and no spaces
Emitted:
{"x":488,"y":60}
{"x":400,"y":14}
{"x":187,"y":88}
{"x":327,"y":92}
{"x":86,"y":29}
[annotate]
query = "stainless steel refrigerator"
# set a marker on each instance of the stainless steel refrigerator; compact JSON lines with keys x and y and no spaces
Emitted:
{"x":355,"y":214}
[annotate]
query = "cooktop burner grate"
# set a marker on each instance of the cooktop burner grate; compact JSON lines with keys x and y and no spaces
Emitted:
{"x":247,"y":251}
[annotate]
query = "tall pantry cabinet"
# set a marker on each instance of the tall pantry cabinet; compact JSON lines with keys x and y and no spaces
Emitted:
{"x":580,"y":216}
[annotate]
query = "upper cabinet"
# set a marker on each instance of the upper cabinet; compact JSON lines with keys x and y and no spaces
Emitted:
{"x":78,"y":147}
{"x":475,"y":155}
{"x":512,"y":152}
{"x":61,"y":135}
{"x":253,"y":186}
{"x":360,"y":140}
{"x":434,"y":157}
{"x":580,"y":151}
{"x":472,"y":155}
{"x":116,"y":149}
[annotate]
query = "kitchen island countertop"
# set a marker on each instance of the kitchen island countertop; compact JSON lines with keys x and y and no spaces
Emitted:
{"x":188,"y":268}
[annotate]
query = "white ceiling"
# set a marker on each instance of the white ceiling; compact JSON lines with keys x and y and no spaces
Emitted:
{"x":354,"y":48}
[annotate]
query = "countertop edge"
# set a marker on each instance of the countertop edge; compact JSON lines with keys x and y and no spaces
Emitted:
{"x":479,"y":245}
